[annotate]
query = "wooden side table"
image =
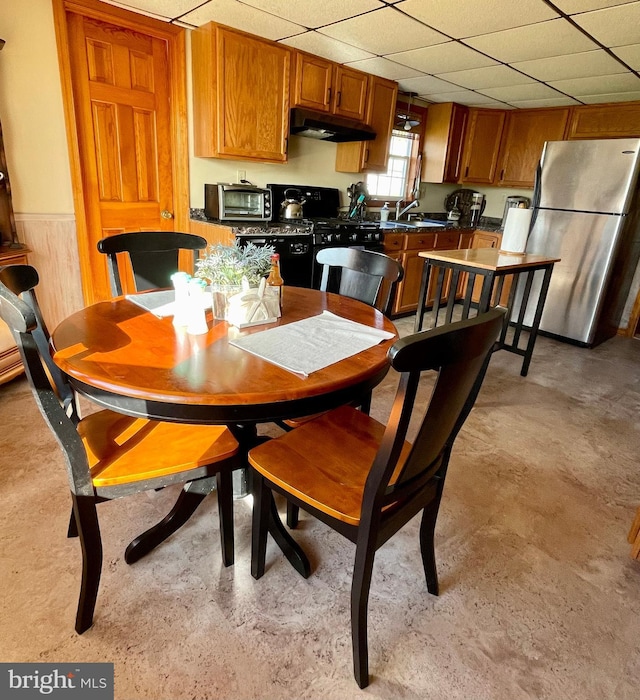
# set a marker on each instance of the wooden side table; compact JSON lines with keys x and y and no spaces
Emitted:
{"x":10,"y":362}
{"x":493,"y":267}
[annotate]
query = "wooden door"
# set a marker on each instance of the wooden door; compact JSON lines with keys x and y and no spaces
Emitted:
{"x":526,"y":131}
{"x":350,"y":93}
{"x":312,"y":82}
{"x":482,"y":145}
{"x":125,"y":109}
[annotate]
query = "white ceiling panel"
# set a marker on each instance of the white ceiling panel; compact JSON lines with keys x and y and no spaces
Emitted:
{"x":465,"y":18}
{"x":385,"y":68}
{"x":442,"y":58}
{"x":383,"y":32}
{"x":312,"y":13}
{"x":577,"y":65}
{"x":491,"y":76}
{"x":630,"y":55}
{"x":521,"y":44}
{"x":553,"y":38}
{"x":327,"y":47}
{"x":614,"y":26}
{"x":559,"y":101}
{"x":622,"y":82}
{"x":520,"y":92}
{"x":235,"y":14}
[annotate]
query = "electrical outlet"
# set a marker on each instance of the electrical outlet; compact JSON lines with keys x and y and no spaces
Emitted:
{"x":241,"y":175}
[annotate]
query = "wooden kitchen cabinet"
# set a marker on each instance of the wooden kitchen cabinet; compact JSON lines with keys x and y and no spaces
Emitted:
{"x":372,"y":156}
{"x":10,"y":362}
{"x":482,"y":145}
{"x":443,"y":142}
{"x":329,"y":87}
{"x":525,"y":133}
{"x":240,"y":95}
{"x":487,"y":239}
{"x":605,"y":121}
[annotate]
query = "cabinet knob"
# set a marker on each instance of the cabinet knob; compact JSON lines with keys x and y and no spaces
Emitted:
{"x":166,"y":214}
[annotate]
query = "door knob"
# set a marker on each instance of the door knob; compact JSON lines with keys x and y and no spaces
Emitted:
{"x":166,"y":214}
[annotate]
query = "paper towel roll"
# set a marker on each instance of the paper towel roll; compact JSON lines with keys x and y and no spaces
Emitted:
{"x":516,"y":230}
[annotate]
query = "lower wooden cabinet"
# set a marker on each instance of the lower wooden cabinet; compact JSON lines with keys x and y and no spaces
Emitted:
{"x":10,"y":363}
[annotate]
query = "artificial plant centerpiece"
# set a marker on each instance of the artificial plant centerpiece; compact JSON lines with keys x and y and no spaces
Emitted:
{"x":230,"y":269}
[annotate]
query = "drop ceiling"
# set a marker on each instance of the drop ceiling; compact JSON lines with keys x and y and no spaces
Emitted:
{"x":489,"y":53}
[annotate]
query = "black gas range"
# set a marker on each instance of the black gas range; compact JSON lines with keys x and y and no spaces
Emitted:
{"x":298,"y":240}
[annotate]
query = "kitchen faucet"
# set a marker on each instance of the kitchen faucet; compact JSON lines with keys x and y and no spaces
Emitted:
{"x":399,"y":213}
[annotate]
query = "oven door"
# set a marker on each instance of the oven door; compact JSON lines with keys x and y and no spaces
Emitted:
{"x":296,"y":256}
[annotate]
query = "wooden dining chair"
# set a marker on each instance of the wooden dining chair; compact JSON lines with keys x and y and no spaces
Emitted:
{"x":109,"y":455}
{"x":364,"y":479}
{"x":153,"y":256}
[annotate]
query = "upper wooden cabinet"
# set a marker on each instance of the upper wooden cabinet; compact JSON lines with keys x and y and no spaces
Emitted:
{"x":443,"y":141}
{"x":524,"y":135}
{"x":240,"y":95}
{"x":371,"y":156}
{"x":329,"y":87}
{"x":482,"y":145}
{"x":607,"y":121}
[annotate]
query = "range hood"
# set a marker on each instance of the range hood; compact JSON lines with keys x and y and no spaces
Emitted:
{"x":328,"y":127}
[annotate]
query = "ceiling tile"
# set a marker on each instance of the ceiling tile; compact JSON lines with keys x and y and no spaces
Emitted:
{"x":385,"y":68}
{"x":168,"y":9}
{"x":629,"y":54}
{"x":466,"y":97}
{"x":311,"y":13}
{"x":572,"y":7}
{"x":622,"y":82}
{"x":491,"y":76}
{"x":537,"y":91}
{"x":384,"y":31}
{"x":611,"y":97}
{"x":451,"y":56}
{"x":614,"y":26}
{"x":327,"y":47}
{"x":577,"y":65}
{"x":553,"y":38}
{"x":235,"y":14}
{"x":464,"y":18}
{"x":427,"y":84}
{"x":559,"y":101}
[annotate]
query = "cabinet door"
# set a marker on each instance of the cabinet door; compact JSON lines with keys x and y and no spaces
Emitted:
{"x":409,"y":288}
{"x":607,"y":121}
{"x":241,"y":95}
{"x":443,"y":142}
{"x":350,"y":98}
{"x":372,"y":156}
{"x":526,"y":131}
{"x":312,"y":82}
{"x":482,"y":145}
{"x":10,"y":362}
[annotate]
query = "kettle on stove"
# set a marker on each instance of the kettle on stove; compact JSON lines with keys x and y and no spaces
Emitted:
{"x":291,"y":208}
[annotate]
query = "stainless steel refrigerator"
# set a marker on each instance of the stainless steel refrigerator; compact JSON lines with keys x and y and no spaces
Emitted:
{"x":586,"y":212}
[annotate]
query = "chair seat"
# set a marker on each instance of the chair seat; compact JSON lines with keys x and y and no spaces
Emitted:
{"x":328,"y":459}
{"x":123,"y":450}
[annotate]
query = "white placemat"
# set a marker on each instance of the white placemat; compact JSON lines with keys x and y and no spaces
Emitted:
{"x":162,"y":303}
{"x":306,"y":346}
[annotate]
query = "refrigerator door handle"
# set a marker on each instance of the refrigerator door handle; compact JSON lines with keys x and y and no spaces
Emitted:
{"x":536,"y":196}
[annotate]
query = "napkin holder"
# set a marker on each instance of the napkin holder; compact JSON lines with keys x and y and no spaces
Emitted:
{"x":253,"y":307}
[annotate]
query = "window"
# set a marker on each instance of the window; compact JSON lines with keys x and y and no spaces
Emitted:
{"x":403,"y":148}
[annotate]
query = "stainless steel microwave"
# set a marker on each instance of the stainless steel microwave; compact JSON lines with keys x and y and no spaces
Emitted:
{"x":237,"y":203}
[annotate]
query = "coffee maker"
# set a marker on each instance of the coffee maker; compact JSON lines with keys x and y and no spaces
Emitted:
{"x":513,"y":201}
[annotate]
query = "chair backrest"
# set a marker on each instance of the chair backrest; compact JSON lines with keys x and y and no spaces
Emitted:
{"x":22,"y":281}
{"x":153,"y":256}
{"x":360,"y":275}
{"x":459,"y":353}
{"x":22,"y":320}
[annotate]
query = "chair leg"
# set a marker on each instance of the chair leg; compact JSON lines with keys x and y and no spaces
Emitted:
{"x":360,"y":585}
{"x":260,"y":524}
{"x":293,"y":515}
{"x":86,"y":517}
{"x":72,"y":530}
{"x":427,"y":547}
{"x":224,"y":487}
{"x":184,"y":508}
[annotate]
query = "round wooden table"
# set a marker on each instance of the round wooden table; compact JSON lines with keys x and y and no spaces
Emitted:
{"x":128,"y":360}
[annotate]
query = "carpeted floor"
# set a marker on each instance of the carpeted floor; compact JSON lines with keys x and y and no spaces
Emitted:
{"x":539,"y":597}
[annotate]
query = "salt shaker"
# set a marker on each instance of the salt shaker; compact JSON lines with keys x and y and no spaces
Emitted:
{"x":197,"y":324}
{"x":181,"y":304}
